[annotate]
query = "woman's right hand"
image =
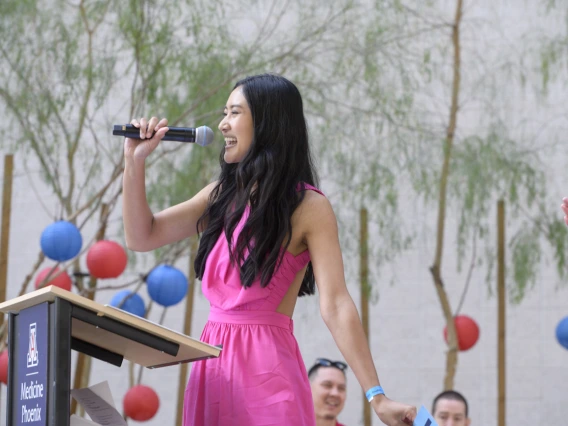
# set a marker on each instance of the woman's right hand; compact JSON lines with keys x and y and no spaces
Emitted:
{"x":143,"y":147}
{"x":393,"y":413}
{"x":564,"y":207}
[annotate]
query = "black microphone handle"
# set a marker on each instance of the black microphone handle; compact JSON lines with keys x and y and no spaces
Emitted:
{"x":176,"y":134}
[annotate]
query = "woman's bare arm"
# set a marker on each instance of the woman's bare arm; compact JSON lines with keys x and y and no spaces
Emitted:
{"x":337,"y":307}
{"x":145,"y":231}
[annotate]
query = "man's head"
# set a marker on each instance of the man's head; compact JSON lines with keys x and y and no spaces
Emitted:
{"x":450,"y":409}
{"x":328,"y":383}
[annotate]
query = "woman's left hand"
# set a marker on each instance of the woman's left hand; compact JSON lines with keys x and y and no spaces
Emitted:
{"x":393,"y":413}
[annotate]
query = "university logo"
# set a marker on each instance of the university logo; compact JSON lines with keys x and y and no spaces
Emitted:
{"x":33,"y":358}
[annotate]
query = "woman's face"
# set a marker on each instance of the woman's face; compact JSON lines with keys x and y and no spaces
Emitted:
{"x":237,"y":127}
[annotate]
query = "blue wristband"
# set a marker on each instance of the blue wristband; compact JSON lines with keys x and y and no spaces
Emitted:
{"x":371,"y":393}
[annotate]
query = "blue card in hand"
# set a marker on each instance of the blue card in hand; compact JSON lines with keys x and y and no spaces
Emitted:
{"x":424,"y":418}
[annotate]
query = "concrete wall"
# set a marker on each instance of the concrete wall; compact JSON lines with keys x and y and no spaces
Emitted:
{"x":406,"y":322}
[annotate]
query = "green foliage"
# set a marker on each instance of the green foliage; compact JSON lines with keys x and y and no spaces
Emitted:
{"x":550,"y":48}
{"x":71,"y":70}
{"x":367,"y":73}
{"x":526,"y":255}
{"x":485,"y":170}
{"x":548,"y":61}
{"x":395,"y":100}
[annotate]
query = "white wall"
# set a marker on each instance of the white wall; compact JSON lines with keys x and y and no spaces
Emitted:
{"x":406,"y":322}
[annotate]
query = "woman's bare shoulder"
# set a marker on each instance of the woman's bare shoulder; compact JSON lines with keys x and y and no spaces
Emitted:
{"x":208,"y":189}
{"x":313,"y":199}
{"x":313,"y":208}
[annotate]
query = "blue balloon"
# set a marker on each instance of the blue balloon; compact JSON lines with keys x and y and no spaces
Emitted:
{"x":61,"y":241}
{"x":562,"y":332}
{"x":134,"y":304}
{"x":166,"y":285}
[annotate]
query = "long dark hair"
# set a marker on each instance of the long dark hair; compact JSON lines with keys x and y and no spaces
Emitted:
{"x":278,"y":161}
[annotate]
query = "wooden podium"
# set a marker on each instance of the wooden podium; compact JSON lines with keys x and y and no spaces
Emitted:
{"x":45,"y":325}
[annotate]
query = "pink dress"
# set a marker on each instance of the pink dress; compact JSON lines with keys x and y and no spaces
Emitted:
{"x":259,"y":378}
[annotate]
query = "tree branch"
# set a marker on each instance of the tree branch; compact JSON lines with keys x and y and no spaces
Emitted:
{"x":435,"y":269}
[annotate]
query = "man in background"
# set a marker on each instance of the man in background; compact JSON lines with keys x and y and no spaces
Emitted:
{"x":450,"y":409}
{"x":329,"y":391}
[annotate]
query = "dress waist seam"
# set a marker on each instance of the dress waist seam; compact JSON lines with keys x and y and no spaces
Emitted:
{"x":251,"y":318}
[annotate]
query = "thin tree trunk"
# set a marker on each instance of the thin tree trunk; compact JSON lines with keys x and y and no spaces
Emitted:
{"x":501,"y":309}
{"x":365,"y":290}
{"x":83,"y":365}
{"x":435,"y":269}
{"x":5,"y":231}
{"x":194,"y":243}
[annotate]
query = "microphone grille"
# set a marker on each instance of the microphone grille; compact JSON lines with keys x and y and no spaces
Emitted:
{"x":204,"y":136}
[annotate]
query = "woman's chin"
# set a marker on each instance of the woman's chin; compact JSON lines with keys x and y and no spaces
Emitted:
{"x":230,"y":158}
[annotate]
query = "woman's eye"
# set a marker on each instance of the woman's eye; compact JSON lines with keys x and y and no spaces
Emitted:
{"x":234,"y":112}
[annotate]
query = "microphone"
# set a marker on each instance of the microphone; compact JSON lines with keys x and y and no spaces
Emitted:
{"x":201,"y":135}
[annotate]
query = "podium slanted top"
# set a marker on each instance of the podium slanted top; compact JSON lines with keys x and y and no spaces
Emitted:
{"x":190,"y":349}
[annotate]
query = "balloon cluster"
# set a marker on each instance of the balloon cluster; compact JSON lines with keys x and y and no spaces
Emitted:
{"x":165,"y":284}
{"x":468,"y":332}
{"x":61,"y":241}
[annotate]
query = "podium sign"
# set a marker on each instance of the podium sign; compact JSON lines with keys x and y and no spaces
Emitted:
{"x":31,"y":368}
{"x":46,"y":325}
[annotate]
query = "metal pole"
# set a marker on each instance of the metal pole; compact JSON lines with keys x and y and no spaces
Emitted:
{"x":59,"y":370}
{"x":12,"y":394}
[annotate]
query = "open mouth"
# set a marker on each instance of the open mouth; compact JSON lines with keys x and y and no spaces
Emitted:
{"x":230,"y":142}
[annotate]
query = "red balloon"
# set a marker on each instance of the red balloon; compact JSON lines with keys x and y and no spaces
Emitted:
{"x":106,"y":259}
{"x":141,"y":403}
{"x":4,"y":367}
{"x":467,"y":331}
{"x":61,"y":280}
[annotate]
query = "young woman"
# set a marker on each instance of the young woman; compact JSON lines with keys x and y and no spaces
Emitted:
{"x":267,"y":236}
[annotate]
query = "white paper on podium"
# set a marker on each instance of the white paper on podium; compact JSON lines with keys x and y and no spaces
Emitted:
{"x":98,"y":404}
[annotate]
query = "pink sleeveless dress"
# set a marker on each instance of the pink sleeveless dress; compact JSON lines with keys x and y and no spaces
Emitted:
{"x":259,"y":378}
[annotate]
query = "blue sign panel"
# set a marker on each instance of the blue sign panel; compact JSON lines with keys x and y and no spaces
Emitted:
{"x":31,"y":373}
{"x":424,"y":418}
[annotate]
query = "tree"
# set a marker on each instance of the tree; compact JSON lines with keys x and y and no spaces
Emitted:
{"x":435,"y":128}
{"x":72,"y":69}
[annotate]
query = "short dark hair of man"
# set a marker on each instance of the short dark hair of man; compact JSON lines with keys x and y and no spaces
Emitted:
{"x":452,"y":395}
{"x":324,"y":362}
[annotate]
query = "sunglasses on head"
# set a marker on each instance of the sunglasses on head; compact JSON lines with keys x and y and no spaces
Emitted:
{"x":324,"y":362}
